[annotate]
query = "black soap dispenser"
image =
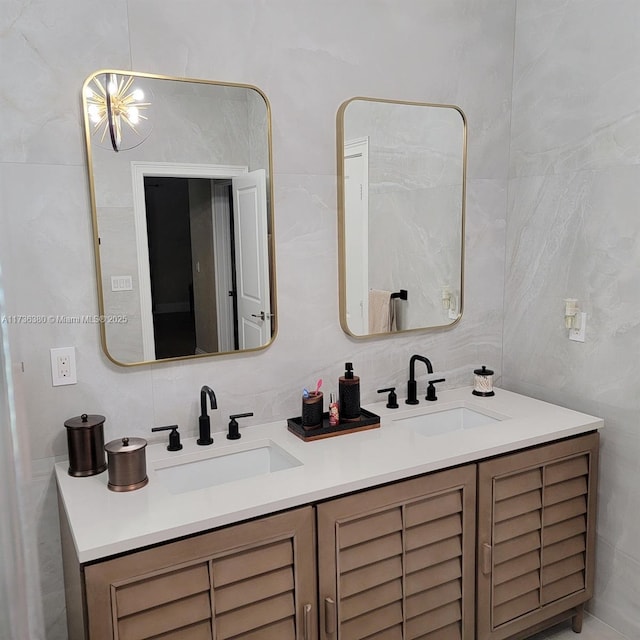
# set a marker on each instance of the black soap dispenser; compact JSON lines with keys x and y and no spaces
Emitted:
{"x":349,"y":395}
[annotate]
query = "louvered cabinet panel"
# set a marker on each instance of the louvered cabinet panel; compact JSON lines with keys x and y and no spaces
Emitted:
{"x":433,"y":535}
{"x":536,"y":529}
{"x":255,"y":589}
{"x":371,"y":545}
{"x":173,"y":601}
{"x":517,"y":516}
{"x":155,"y":591}
{"x":398,"y":561}
{"x":566,"y":497}
{"x":253,"y":581}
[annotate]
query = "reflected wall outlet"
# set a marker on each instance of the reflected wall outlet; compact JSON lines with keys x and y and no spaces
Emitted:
{"x":578,"y":334}
{"x":453,"y":308}
{"x":63,"y":366}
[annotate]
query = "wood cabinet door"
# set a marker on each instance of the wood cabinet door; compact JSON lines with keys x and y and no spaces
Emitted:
{"x":398,"y":562}
{"x":536,"y":535}
{"x":252,"y":581}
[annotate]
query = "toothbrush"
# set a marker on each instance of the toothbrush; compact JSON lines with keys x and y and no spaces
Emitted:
{"x":318,"y":385}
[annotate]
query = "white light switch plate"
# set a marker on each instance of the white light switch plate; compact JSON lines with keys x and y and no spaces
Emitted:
{"x":63,"y":366}
{"x":121,"y":283}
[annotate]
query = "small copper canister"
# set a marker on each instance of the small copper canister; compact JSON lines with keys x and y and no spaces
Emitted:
{"x":127,"y":464}
{"x":85,"y":441}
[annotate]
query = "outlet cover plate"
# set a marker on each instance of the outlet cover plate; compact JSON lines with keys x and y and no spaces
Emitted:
{"x":578,"y":335}
{"x":63,"y":366}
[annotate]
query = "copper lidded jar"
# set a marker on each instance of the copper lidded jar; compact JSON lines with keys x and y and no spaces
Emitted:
{"x":85,"y":442}
{"x":127,"y":464}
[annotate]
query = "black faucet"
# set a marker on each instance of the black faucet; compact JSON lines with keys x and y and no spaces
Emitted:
{"x":205,"y":423}
{"x":412,"y":385}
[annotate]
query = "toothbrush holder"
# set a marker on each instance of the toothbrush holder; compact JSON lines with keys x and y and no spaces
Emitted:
{"x":312,"y":410}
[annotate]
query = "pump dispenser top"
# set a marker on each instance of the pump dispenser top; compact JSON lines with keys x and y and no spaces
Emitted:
{"x":349,"y":395}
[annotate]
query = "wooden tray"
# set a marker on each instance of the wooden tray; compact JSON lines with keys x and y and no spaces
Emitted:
{"x":368,"y":420}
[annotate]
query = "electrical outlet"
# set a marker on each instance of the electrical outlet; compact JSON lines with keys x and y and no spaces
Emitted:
{"x":578,"y":335}
{"x":63,"y":366}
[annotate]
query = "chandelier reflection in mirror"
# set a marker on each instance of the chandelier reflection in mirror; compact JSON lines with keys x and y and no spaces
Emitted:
{"x":116,"y":109}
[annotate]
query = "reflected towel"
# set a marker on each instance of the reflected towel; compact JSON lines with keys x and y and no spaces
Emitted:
{"x":382,"y":316}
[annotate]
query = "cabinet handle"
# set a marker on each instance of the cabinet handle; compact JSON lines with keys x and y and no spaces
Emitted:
{"x":330,"y":622}
{"x":306,"y":622}
{"x":486,"y":558}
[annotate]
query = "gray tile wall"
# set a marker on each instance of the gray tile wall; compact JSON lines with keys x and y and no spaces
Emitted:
{"x":308,"y":57}
{"x":574,"y":231}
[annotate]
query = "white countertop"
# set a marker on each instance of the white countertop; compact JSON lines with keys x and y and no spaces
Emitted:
{"x":104,"y":523}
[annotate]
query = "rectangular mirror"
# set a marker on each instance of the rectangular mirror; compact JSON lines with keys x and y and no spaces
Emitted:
{"x":181,"y":186}
{"x":401,"y":201}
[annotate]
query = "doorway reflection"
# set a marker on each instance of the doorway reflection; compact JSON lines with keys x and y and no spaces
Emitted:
{"x":182,"y":234}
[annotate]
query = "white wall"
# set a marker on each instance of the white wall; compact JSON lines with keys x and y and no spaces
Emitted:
{"x":574,"y":231}
{"x":308,"y":56}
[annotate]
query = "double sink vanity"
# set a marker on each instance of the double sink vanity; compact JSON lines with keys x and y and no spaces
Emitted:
{"x":468,"y":518}
{"x":463,"y":518}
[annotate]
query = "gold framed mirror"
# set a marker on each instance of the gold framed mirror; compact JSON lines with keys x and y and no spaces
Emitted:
{"x":401,"y":211}
{"x":180,"y":174}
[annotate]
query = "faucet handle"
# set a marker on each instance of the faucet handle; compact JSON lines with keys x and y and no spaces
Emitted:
{"x":174,"y":436}
{"x":431,"y":390}
{"x":392,"y":400}
{"x":234,"y":429}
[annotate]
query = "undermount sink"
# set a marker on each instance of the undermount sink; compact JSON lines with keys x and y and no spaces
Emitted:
{"x":447,"y":421}
{"x":201,"y":470}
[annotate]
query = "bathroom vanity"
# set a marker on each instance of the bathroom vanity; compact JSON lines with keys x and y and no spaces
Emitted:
{"x":463,"y":518}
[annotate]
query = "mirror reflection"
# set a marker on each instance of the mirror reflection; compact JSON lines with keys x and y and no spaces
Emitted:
{"x":401,"y":195}
{"x":180,"y":174}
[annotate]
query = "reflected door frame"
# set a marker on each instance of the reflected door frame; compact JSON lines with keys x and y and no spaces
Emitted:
{"x":140,"y":171}
{"x":356,"y":232}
